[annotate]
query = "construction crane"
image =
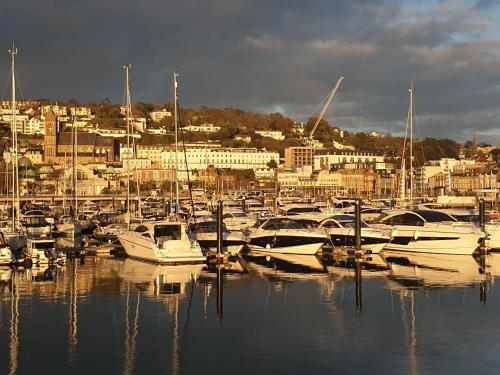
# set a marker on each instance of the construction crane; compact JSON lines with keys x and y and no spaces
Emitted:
{"x":309,"y":140}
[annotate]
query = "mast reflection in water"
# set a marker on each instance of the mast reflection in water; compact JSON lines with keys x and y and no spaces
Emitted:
{"x":261,"y":314}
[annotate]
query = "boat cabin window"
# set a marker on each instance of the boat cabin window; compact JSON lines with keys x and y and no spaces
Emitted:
{"x":168,"y":232}
{"x":299,"y":210}
{"x":206,"y":227}
{"x":308,"y":224}
{"x":277,"y":224}
{"x":141,"y":229}
{"x":43,"y":245}
{"x":404,"y":219}
{"x":35,"y":220}
{"x":434,"y":216}
{"x":343,"y":204}
{"x":235,"y":214}
{"x":329,"y":223}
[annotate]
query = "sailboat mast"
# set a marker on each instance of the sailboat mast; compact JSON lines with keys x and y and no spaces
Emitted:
{"x":73,"y":168}
{"x":15,"y":167}
{"x":411,"y":145}
{"x":176,"y":150}
{"x":127,"y":119}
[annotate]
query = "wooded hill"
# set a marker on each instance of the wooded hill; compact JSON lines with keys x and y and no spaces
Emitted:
{"x":236,"y":122}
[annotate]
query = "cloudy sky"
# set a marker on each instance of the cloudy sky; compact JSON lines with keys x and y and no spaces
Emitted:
{"x":268,"y":56}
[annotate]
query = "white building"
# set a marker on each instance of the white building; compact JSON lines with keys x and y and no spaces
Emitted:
{"x":274,"y":134}
{"x":35,"y":125}
{"x":156,"y":131}
{"x":243,"y":138}
{"x":262,"y":173}
{"x":139,"y":124}
{"x":21,"y":122}
{"x":341,"y":146}
{"x":206,"y":128}
{"x":298,"y":128}
{"x":159,"y":115}
{"x":80,"y":112}
{"x":136,"y":163}
{"x":152,"y":152}
{"x":113,"y":132}
{"x":326,"y":161}
{"x":226,"y":158}
{"x":57,"y":109}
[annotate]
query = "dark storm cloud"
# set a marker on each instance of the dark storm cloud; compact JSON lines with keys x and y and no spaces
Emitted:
{"x":270,"y":56}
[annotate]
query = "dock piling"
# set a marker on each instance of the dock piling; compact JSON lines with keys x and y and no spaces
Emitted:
{"x":357,"y":214}
{"x":220,"y":225}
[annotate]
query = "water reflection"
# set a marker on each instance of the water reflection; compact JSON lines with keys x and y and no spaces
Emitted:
{"x":156,"y":318}
{"x":433,"y":270}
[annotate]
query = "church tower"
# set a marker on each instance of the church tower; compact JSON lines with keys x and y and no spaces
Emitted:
{"x":50,"y":138}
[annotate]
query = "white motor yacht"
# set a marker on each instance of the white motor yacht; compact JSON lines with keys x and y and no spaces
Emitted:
{"x":471,"y":217}
{"x":6,"y":256}
{"x":41,"y":251}
{"x":35,"y":223}
{"x":205,"y":233}
{"x":161,"y":242}
{"x":286,"y":236}
{"x":427,"y":231}
{"x":68,"y":226}
{"x":341,"y":229}
{"x":15,"y":238}
{"x":237,"y":220}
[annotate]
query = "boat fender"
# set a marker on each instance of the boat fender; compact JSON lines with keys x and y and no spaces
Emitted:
{"x":415,"y":236}
{"x":268,"y":246}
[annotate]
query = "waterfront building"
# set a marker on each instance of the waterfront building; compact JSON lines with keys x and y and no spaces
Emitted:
{"x":136,"y":163}
{"x":151,"y":152}
{"x":225,"y":158}
{"x":328,"y":159}
{"x":296,"y":157}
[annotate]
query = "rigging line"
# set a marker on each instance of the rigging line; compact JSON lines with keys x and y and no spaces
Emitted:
{"x":6,"y":86}
{"x":18,"y":85}
{"x":185,"y":160}
{"x":418,"y":129}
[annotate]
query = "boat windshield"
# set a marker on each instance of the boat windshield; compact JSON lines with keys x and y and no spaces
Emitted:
{"x":168,"y":232}
{"x":299,"y":210}
{"x":43,"y":245}
{"x":348,"y":221}
{"x":434,"y":216}
{"x":277,"y":224}
{"x":35,"y":220}
{"x":206,"y":227}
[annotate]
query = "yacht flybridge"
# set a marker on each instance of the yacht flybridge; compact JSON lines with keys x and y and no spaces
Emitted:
{"x":161,"y":242}
{"x":427,"y":231}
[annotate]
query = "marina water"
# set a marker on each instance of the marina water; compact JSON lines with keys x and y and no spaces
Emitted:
{"x":121,"y":316}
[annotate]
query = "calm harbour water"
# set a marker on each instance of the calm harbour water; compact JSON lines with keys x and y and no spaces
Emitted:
{"x":121,"y":316}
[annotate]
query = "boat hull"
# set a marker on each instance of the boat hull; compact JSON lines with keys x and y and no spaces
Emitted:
{"x":305,"y":249}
